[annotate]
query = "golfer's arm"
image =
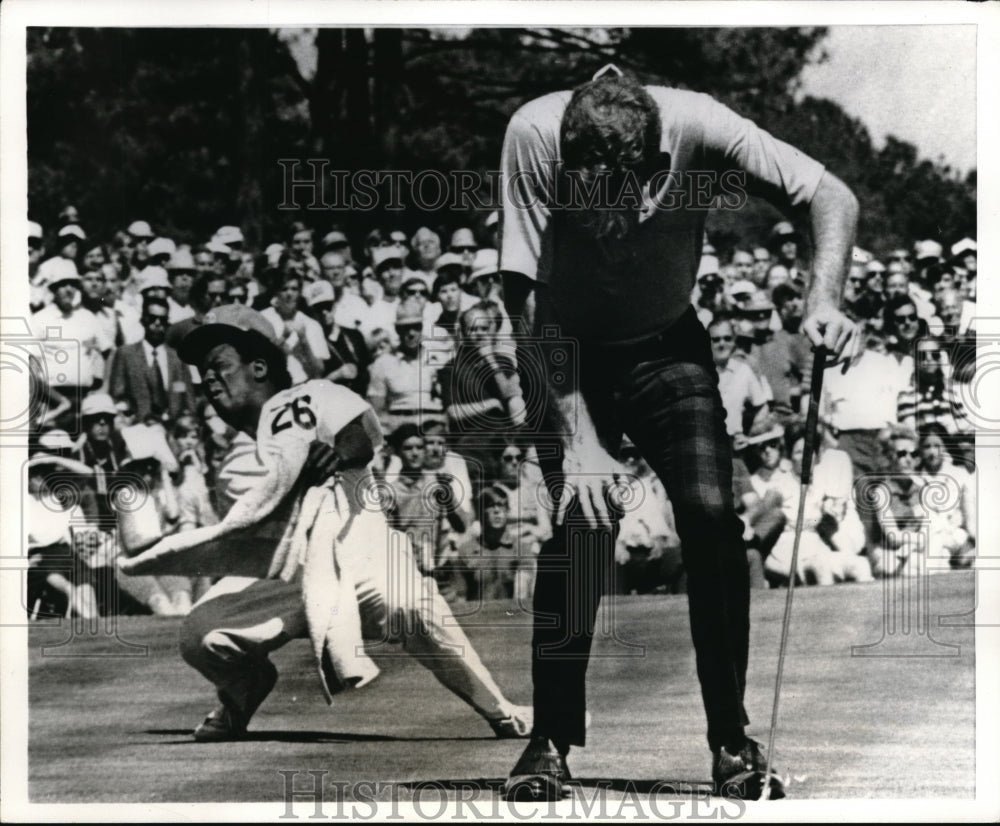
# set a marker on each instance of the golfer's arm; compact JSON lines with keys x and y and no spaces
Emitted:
{"x":833,"y":216}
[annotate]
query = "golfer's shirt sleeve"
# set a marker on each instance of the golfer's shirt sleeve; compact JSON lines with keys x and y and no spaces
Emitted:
{"x":774,"y":169}
{"x":528,"y":164}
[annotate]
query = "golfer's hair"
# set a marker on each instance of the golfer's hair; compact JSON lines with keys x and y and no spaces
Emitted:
{"x":611,"y":128}
{"x":611,"y":121}
{"x":253,"y":347}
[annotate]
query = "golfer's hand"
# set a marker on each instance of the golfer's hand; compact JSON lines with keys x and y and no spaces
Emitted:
{"x":827,"y":326}
{"x":592,"y":476}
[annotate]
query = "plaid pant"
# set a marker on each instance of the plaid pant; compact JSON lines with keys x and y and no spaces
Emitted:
{"x":664,"y":395}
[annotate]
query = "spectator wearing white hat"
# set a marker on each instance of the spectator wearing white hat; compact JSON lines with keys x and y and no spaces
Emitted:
{"x":401,"y":385}
{"x":70,"y":335}
{"x":387,"y":267}
{"x":297,"y":334}
{"x":68,"y":245}
{"x":159,"y":251}
{"x":102,"y":450}
{"x":140,"y":234}
{"x":349,"y":355}
{"x":740,"y":293}
{"x":180,"y":272}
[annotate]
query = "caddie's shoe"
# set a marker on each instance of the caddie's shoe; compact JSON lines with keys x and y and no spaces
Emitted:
{"x":516,"y":724}
{"x":739,"y":773}
{"x":229,"y":721}
{"x":540,"y":774}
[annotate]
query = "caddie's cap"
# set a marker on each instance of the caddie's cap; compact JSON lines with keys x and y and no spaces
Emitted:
{"x":72,"y":229}
{"x":139,"y":229}
{"x":383,"y":256}
{"x":486,"y":262}
{"x":97,"y":404}
{"x":317,"y":292}
{"x":161,"y":246}
{"x":152,"y":277}
{"x":228,"y":324}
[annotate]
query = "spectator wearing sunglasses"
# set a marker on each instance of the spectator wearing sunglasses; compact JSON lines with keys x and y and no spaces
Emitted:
{"x":743,"y":392}
{"x":932,"y":398}
{"x":463,"y":243}
{"x":902,"y":326}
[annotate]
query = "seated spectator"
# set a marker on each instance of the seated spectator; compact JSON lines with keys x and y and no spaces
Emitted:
{"x":953,"y":525}
{"x":401,"y":385}
{"x":743,"y":393}
{"x":647,"y":550}
{"x":299,"y":336}
{"x":388,"y":270}
{"x":52,"y":514}
{"x":102,"y":451}
{"x":149,"y":373}
{"x":349,"y":357}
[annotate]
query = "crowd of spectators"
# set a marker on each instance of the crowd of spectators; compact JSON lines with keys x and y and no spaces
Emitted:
{"x":125,"y":447}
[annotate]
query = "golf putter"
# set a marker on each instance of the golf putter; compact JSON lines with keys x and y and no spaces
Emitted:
{"x":808,"y":448}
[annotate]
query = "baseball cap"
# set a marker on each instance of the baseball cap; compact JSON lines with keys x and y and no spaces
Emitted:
{"x":152,"y":277}
{"x":72,"y":229}
{"x":409,"y":313}
{"x":57,"y":270}
{"x":928,"y":249}
{"x":383,"y":255}
{"x":317,"y":292}
{"x":874,"y":266}
{"x":334,"y":240}
{"x":139,"y":229}
{"x":96,"y":404}
{"x":486,"y":262}
{"x":161,"y":246}
{"x":963,"y":246}
{"x":228,"y":235}
{"x":180,"y":261}
{"x":228,"y":324}
{"x":34,"y":229}
{"x":449,"y":259}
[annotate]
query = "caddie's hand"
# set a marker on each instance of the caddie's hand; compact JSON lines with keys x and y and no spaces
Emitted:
{"x":592,"y":477}
{"x":827,"y":326}
{"x":320,"y":465}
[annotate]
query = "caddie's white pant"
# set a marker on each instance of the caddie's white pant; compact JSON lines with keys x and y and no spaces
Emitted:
{"x":240,"y":620}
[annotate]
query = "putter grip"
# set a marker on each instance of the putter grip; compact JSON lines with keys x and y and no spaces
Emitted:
{"x":812,"y":416}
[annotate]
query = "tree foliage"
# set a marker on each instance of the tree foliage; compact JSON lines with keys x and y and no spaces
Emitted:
{"x":185,"y":127}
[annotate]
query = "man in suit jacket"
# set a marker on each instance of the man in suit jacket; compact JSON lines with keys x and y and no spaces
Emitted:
{"x":149,"y":373}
